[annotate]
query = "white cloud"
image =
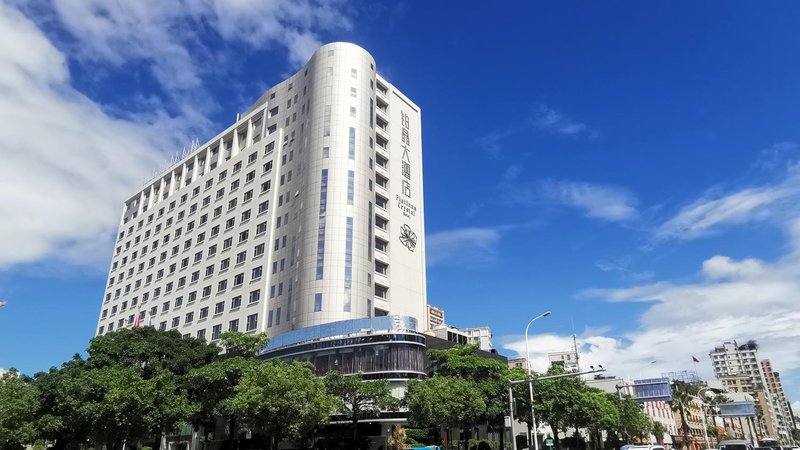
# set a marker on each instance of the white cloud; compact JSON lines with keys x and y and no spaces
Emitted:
{"x":168,"y":36}
{"x":737,"y":299}
{"x":715,"y":210}
{"x":724,"y":267}
{"x":67,"y":164}
{"x":599,"y":201}
{"x":734,"y":299}
{"x":491,"y":142}
{"x":463,"y":246}
{"x":548,"y":119}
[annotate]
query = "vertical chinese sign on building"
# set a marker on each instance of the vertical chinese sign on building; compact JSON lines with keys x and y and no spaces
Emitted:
{"x":404,"y":201}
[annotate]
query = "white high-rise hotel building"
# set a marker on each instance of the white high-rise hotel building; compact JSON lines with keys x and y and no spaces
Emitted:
{"x":307,"y":210}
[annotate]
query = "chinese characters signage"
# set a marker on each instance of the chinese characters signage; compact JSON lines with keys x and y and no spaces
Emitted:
{"x":404,"y":203}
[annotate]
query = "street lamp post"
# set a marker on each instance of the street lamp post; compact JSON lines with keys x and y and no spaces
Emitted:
{"x":547,"y":377}
{"x":703,"y":413}
{"x":533,"y":435}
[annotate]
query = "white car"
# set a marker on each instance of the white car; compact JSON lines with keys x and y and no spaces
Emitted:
{"x":735,"y":445}
{"x":642,"y":447}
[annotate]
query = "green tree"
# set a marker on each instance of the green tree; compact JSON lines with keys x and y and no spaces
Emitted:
{"x":682,"y":396}
{"x":211,"y":386}
{"x":489,"y":375}
{"x":282,"y":401}
{"x":132,"y":385}
{"x":633,"y":422}
{"x":120,"y":406}
{"x":19,"y":401}
{"x":357,"y":399}
{"x":659,"y":429}
{"x":149,"y":351}
{"x":57,"y":422}
{"x":557,"y":401}
{"x":445,"y":402}
{"x":598,"y":413}
{"x":241,"y":344}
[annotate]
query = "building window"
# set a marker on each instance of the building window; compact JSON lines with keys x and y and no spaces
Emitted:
{"x":326,"y":121}
{"x":201,"y":334}
{"x":348,"y":255}
{"x":252,"y":322}
{"x":369,"y":232}
{"x":323,"y":204}
{"x":318,"y":302}
{"x":233,"y":325}
{"x":326,"y":152}
{"x":219,"y":308}
{"x":289,"y":301}
{"x":351,"y":153}
{"x":255,"y":296}
{"x":261,"y":228}
{"x":216,"y":331}
{"x":204,"y":312}
{"x":189,"y":318}
{"x":351,"y":176}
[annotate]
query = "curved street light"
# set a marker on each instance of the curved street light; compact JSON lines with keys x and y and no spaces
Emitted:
{"x":531,"y":436}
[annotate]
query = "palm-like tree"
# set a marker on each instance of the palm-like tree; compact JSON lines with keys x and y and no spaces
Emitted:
{"x":682,"y":395}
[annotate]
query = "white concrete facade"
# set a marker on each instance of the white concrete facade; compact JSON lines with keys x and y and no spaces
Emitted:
{"x":307,"y":210}
{"x":481,"y":336}
{"x":568,"y":360}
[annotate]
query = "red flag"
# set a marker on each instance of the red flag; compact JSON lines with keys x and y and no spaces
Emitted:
{"x":695,"y":359}
{"x":136,"y":324}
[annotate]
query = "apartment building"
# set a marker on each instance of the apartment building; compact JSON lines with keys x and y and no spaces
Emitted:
{"x":305,"y":211}
{"x":738,"y":368}
{"x":433,"y":316}
{"x":779,"y":400}
{"x":567,"y":360}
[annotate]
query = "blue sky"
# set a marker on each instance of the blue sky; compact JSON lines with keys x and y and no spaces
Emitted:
{"x":630,"y":166}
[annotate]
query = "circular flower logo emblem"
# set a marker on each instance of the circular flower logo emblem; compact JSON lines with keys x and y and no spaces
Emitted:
{"x":408,"y":237}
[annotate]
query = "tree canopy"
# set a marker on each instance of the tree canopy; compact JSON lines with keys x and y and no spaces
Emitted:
{"x":282,"y":400}
{"x":19,"y":400}
{"x":357,"y":399}
{"x":444,"y":401}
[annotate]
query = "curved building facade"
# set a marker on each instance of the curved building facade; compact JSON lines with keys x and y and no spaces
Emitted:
{"x":307,"y":210}
{"x":386,"y":348}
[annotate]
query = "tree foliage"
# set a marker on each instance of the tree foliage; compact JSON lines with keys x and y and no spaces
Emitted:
{"x":489,"y":375}
{"x":682,"y":395}
{"x":444,"y":402}
{"x":149,"y":351}
{"x":357,"y":399}
{"x":211,"y":386}
{"x":241,"y":344}
{"x":19,"y":400}
{"x":281,"y":400}
{"x":568,"y":402}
